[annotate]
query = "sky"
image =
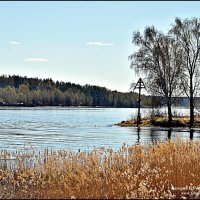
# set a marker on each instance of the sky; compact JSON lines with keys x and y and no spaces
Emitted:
{"x":80,"y":42}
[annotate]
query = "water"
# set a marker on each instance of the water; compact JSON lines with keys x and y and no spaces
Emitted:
{"x":77,"y":128}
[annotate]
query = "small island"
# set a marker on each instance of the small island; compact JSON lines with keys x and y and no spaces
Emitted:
{"x":162,"y":121}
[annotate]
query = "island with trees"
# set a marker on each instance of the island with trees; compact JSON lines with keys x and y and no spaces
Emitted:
{"x":171,"y":68}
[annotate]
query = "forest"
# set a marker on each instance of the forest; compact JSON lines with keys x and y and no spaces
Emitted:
{"x":46,"y":92}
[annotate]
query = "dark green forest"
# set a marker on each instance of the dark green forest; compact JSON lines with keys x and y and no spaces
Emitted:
{"x":45,"y":92}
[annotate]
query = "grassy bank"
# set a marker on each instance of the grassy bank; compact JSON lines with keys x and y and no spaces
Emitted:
{"x":178,"y":121}
{"x":148,"y":171}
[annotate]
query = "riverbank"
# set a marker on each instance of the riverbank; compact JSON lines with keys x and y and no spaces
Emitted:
{"x":160,"y":121}
{"x":3,"y":104}
{"x":162,"y":170}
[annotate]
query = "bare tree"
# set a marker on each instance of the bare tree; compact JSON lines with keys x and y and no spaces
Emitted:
{"x":159,"y":57}
{"x":187,"y":34}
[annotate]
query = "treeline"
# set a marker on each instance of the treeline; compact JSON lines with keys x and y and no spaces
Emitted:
{"x":46,"y":92}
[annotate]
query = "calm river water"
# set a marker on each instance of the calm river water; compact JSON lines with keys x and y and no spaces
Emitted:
{"x":78,"y":128}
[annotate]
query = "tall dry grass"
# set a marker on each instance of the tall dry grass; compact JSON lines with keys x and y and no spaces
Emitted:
{"x":139,"y":171}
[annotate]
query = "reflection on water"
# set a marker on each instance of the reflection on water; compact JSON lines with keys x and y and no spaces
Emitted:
{"x":169,"y":134}
{"x":138,"y":133}
{"x":191,"y":133}
{"x":150,"y":134}
{"x":79,"y":128}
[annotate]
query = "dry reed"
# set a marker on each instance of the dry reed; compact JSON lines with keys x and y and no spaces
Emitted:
{"x":159,"y":170}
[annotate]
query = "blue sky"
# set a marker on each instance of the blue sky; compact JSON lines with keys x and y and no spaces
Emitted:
{"x":80,"y":42}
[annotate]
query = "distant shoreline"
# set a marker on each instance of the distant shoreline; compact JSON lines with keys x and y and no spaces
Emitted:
{"x":13,"y":105}
{"x":33,"y":105}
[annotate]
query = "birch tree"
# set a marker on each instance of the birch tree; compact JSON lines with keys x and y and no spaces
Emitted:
{"x":159,"y":58}
{"x":187,"y":34}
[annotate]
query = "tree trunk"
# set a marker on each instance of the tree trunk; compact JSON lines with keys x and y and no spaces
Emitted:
{"x":169,"y":113}
{"x":191,"y":111}
{"x":191,"y":104}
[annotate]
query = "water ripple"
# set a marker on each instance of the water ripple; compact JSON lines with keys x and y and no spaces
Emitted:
{"x":76,"y":128}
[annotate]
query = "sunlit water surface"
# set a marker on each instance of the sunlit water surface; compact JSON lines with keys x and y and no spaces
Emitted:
{"x":78,"y":128}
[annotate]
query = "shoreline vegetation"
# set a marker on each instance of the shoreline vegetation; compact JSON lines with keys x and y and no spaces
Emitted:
{"x":23,"y":91}
{"x":167,"y":169}
{"x":162,"y":121}
{"x":20,"y":90}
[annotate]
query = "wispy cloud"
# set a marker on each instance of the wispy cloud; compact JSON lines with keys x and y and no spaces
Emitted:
{"x":37,"y":60}
{"x":15,"y":42}
{"x":97,"y":43}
